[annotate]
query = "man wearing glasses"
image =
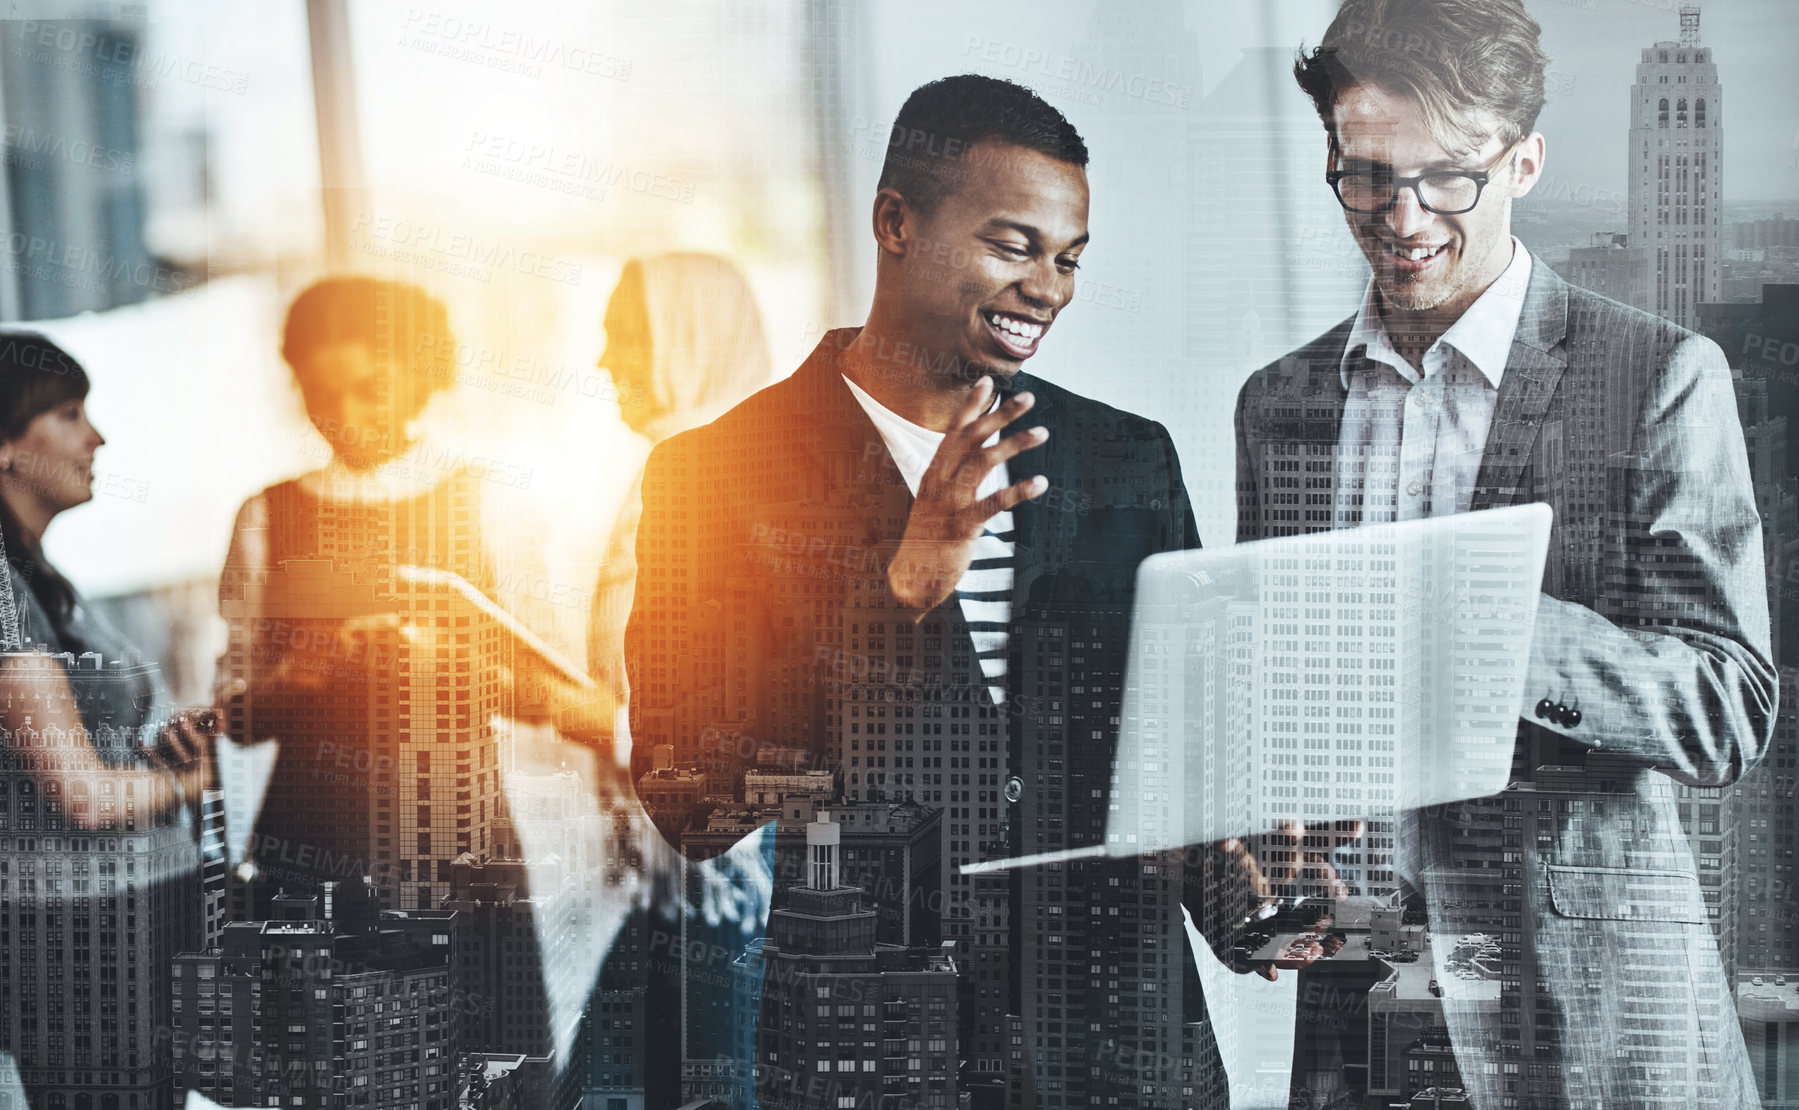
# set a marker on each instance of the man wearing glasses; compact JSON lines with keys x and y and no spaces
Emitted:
{"x":1473,"y":377}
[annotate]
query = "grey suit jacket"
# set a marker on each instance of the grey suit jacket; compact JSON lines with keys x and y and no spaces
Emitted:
{"x":1654,"y":624}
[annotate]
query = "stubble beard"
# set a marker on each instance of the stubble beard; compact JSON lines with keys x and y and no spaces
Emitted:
{"x":1409,"y":295}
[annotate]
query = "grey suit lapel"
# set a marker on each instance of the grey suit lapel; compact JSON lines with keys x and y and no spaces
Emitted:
{"x":1532,"y":373}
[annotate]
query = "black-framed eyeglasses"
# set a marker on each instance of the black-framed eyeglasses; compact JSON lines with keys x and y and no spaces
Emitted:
{"x":1444,"y":192}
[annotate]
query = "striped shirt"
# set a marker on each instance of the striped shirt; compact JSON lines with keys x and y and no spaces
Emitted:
{"x":985,"y":591}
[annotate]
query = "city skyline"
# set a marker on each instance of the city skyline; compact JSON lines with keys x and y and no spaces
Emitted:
{"x":543,"y":944}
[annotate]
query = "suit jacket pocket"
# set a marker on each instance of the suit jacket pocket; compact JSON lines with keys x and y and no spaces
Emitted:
{"x":1625,"y":894}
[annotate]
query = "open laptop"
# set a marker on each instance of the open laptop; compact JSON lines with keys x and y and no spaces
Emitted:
{"x":1335,"y":676}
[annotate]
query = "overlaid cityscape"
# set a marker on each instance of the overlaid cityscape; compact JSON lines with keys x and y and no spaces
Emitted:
{"x":753,"y":720}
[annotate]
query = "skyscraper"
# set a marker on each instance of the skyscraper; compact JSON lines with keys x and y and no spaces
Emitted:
{"x":400,"y":774}
{"x":846,"y":1020}
{"x":1744,"y":841}
{"x":98,"y":892}
{"x":1611,"y":267}
{"x":215,"y":881}
{"x":1106,"y":1003}
{"x":505,"y":1011}
{"x":310,"y":1010}
{"x":1677,"y":173}
{"x":1768,"y":1010}
{"x":890,"y":710}
{"x":1767,"y":929}
{"x":629,"y":1039}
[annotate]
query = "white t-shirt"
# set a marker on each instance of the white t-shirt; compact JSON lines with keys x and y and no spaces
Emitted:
{"x":985,"y":592}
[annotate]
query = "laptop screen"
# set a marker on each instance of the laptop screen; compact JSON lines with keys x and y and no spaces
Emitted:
{"x":1344,"y":675}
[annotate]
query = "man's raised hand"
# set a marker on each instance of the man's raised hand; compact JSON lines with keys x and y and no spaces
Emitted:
{"x":947,"y":517}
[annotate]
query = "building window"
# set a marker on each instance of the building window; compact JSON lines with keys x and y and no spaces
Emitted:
{"x":1661,"y":118}
{"x":1699,"y":112}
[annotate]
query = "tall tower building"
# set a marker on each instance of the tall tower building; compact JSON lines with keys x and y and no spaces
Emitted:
{"x":1677,"y":173}
{"x":215,"y":881}
{"x":1106,"y":1007}
{"x":307,"y":1009}
{"x":898,"y":732}
{"x":1766,"y":933}
{"x":387,"y":769}
{"x":90,"y":917}
{"x":845,"y":1019}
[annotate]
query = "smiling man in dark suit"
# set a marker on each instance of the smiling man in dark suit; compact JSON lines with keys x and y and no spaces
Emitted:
{"x":1473,"y":377}
{"x":912,"y":564}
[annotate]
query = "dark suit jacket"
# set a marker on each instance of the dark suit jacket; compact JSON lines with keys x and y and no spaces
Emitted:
{"x":763,"y":633}
{"x":1654,"y":623}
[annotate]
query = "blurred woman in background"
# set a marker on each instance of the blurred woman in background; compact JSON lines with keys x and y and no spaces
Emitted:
{"x":314,"y":658}
{"x":349,"y":643}
{"x":99,"y":858}
{"x":367,"y":645}
{"x":684,"y":344}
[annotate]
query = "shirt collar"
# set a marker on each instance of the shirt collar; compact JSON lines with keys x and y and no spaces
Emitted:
{"x":1483,"y":334}
{"x":880,"y":414}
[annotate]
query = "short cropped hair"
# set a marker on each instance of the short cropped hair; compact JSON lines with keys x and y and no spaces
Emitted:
{"x":393,"y":318}
{"x":927,"y":149}
{"x":1459,"y":59}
